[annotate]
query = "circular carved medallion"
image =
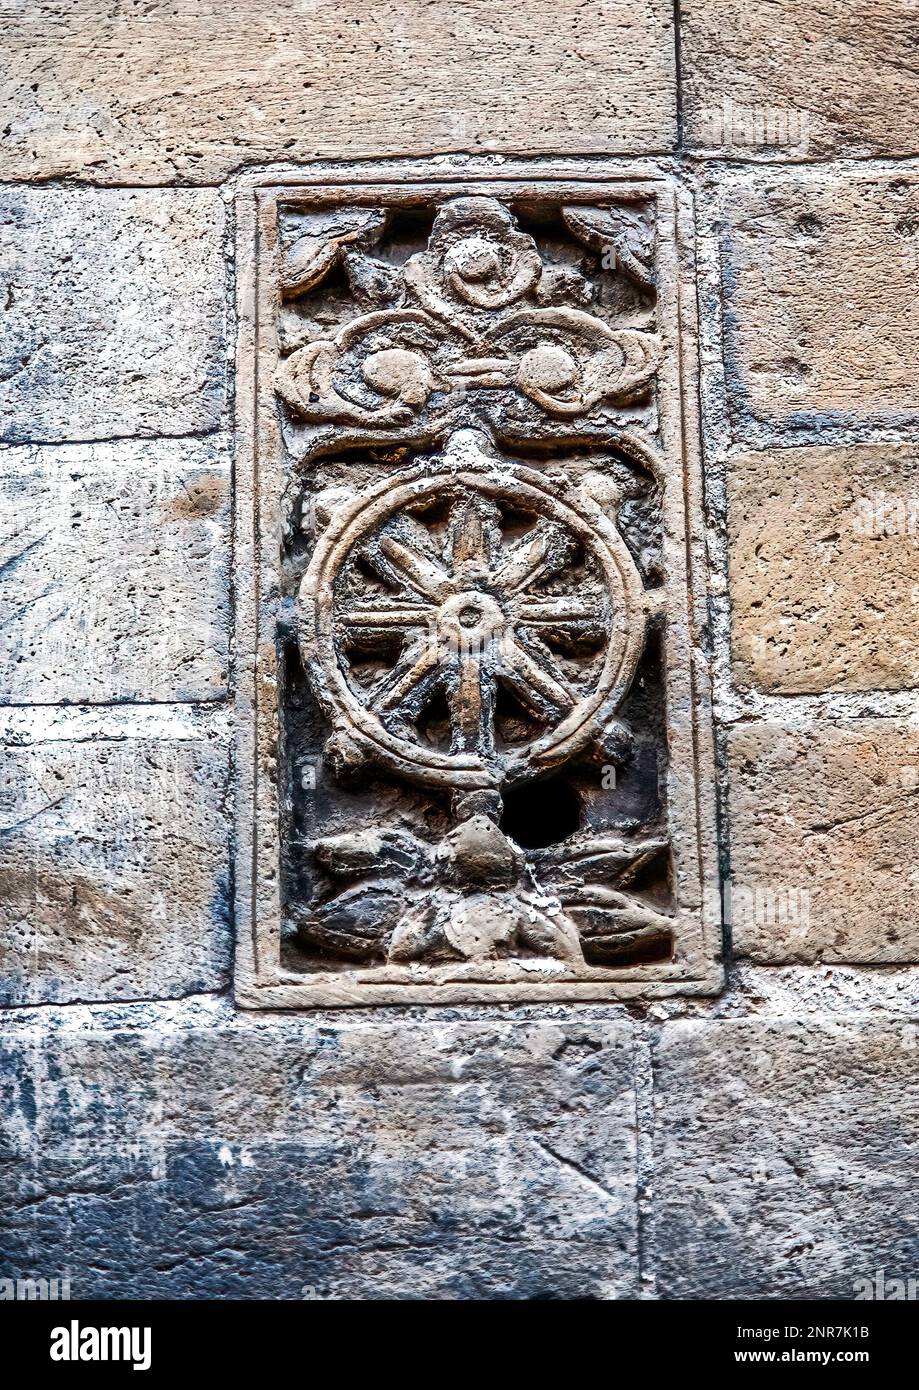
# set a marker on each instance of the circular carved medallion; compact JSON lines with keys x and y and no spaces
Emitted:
{"x":471,"y":626}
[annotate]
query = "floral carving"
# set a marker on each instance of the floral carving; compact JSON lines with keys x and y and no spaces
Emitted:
{"x":461,"y":319}
{"x":378,"y":371}
{"x":473,"y":897}
{"x":476,"y":260}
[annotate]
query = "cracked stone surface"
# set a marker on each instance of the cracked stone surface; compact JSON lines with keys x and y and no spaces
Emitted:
{"x":818,"y":282}
{"x":824,"y":568}
{"x":460,"y":1160}
{"x":191,"y":93}
{"x":113,"y":869}
{"x":114,"y":571}
{"x":831,"y":812}
{"x":784,"y":1156}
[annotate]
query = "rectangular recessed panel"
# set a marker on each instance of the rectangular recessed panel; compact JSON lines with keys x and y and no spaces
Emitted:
{"x":474,"y":735}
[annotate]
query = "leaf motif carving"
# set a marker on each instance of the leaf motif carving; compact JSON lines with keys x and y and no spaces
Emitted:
{"x":620,"y":229}
{"x":311,"y":257}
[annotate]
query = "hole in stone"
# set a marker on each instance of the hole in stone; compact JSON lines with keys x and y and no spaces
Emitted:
{"x":541,"y":813}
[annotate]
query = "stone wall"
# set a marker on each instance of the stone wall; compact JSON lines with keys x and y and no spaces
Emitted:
{"x":159,"y":1141}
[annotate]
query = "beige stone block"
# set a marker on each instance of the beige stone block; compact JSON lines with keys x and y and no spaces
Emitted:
{"x":191,"y":92}
{"x":824,"y":568}
{"x":819,"y":278}
{"x":794,"y":81}
{"x":113,"y":869}
{"x":784,"y":1159}
{"x":824,"y":833}
{"x":114,"y":571}
{"x":113,"y":319}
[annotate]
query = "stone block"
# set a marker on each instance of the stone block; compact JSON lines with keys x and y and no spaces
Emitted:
{"x":819,"y":281}
{"x":824,"y":829}
{"x":784,"y":1158}
{"x":792,"y":81}
{"x":114,"y":571}
{"x":114,"y":312}
{"x":389,"y":1159}
{"x":184,"y":93}
{"x":113,"y":868}
{"x":824,"y":568}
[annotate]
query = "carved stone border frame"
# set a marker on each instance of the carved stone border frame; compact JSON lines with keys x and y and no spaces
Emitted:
{"x":260,"y":979}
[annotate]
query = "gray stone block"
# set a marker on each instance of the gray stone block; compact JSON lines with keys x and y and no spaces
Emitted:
{"x":291,"y":1158}
{"x":113,"y":321}
{"x":113,"y":868}
{"x":114,"y":571}
{"x":785,"y":1157}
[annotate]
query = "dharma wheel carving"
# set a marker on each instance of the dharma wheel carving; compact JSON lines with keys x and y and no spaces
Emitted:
{"x":477,"y":709}
{"x":473,"y":578}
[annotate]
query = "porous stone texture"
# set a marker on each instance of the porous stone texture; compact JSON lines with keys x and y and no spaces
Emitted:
{"x":827,"y":78}
{"x":830,"y":811}
{"x":113,"y":321}
{"x":113,"y":867}
{"x":824,"y":568}
{"x":161,"y":1141}
{"x":818,"y":279}
{"x":114,"y":571}
{"x":388,"y":1159}
{"x":784,"y":1157}
{"x":191,"y":93}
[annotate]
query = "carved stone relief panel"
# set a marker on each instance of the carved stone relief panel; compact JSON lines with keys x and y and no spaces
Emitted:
{"x":473,"y":723}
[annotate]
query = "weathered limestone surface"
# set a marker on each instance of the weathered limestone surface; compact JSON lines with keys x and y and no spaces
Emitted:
{"x":113,"y":321}
{"x":833,"y":811}
{"x":819,"y":279}
{"x":850,"y":69}
{"x":784,"y":1157}
{"x":388,"y":1159}
{"x":824,"y":568}
{"x":158,"y":1142}
{"x":189,"y":93}
{"x":113,"y":868}
{"x":114,"y":571}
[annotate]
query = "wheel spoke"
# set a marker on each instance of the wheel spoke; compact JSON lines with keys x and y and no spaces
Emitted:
{"x":424,"y":575}
{"x":540,"y":684}
{"x":407,"y":684}
{"x":473,"y":535}
{"x":541,"y":552}
{"x":566,"y":620}
{"x":553,"y":611}
{"x":472,"y":707}
{"x":381,"y":615}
